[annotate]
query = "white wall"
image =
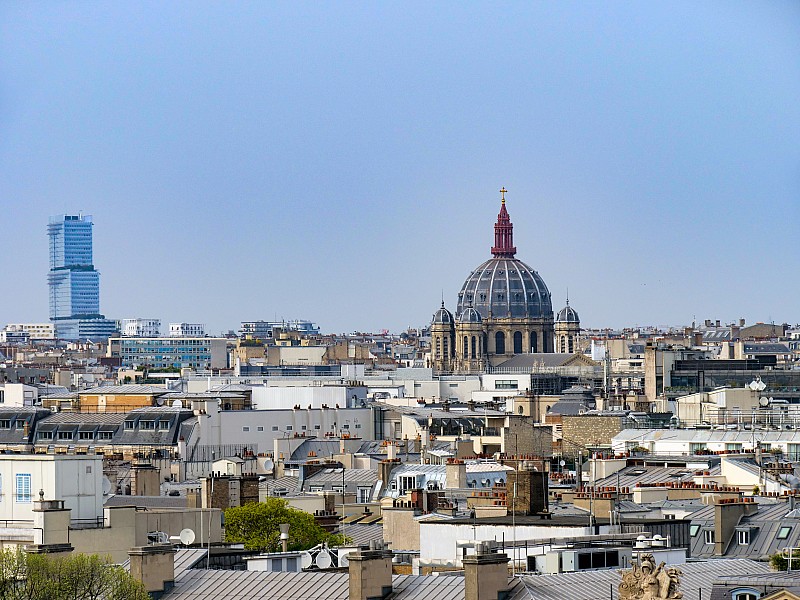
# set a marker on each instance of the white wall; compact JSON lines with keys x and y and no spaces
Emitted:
{"x":77,"y":480}
{"x":18,"y":394}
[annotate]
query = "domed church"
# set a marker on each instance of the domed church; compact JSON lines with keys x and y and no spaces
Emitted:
{"x":504,"y":309}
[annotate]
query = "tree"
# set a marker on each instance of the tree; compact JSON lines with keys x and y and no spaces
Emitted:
{"x":26,"y":576}
{"x":780,"y":561}
{"x":256,"y":526}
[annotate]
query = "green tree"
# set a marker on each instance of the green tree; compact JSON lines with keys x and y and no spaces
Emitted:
{"x":780,"y":561}
{"x":256,"y":526}
{"x":72,"y":577}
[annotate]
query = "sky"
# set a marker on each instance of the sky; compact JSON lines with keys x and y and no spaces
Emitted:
{"x":340,"y":162}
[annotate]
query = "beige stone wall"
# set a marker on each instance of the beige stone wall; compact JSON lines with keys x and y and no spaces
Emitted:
{"x":400,"y":529}
{"x":589,"y":430}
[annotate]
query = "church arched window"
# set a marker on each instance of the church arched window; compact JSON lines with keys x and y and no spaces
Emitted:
{"x":571,"y":345}
{"x":517,"y":342}
{"x":534,"y":342}
{"x":445,"y":348}
{"x":438,"y":347}
{"x":483,"y":297}
{"x":466,"y":347}
{"x":473,"y":346}
{"x":500,"y":343}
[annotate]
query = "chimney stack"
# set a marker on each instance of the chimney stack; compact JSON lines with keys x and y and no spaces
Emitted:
{"x":485,"y":573}
{"x":154,"y":566}
{"x":455,"y":474}
{"x":370,"y":573}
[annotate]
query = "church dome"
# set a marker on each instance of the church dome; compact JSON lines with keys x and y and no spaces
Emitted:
{"x":443,"y":316}
{"x":503,"y":286}
{"x":567,"y":315}
{"x":470,"y":315}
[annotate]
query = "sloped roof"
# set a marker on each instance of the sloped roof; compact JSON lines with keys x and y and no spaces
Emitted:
{"x":591,"y":585}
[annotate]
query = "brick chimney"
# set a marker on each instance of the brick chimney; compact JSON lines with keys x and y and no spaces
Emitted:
{"x":370,"y":573}
{"x":154,"y":566}
{"x":485,"y":574}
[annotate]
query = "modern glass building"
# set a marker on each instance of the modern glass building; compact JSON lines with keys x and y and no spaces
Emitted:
{"x":73,"y":282}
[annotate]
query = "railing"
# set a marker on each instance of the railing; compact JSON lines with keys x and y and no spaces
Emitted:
{"x":16,"y":523}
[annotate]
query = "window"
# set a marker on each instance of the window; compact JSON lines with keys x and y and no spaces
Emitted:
{"x":289,"y":428}
{"x":245,"y":428}
{"x":337,"y":489}
{"x":129,"y":425}
{"x":506,"y":384}
{"x":105,"y":435}
{"x":733,"y":447}
{"x":499,"y":343}
{"x":86,"y":435}
{"x":147,"y":424}
{"x":259,"y":428}
{"x":694,"y":448}
{"x":708,"y":535}
{"x":45,"y":435}
{"x":783,"y":532}
{"x":316,"y":426}
{"x":303,"y":427}
{"x":358,"y":426}
{"x":744,"y":595}
{"x":316,"y":488}
{"x":693,"y":529}
{"x":23,"y":489}
{"x":517,"y":342}
{"x":65,"y":435}
{"x":21,"y":424}
{"x":346,"y":426}
{"x":274,"y":428}
{"x":743,"y":536}
{"x":794,"y":452}
{"x":163,"y":425}
{"x":5,"y":423}
{"x":364,"y":494}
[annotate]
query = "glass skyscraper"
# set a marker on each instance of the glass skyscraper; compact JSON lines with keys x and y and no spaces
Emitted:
{"x":73,"y":282}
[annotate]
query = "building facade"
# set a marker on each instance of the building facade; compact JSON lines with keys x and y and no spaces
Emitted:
{"x":170,"y":352}
{"x":73,"y":282}
{"x":187,"y":330}
{"x":141,"y":327}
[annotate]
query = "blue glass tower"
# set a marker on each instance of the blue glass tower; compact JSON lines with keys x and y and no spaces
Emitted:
{"x":73,"y":282}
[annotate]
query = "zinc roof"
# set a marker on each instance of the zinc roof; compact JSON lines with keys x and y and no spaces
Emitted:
{"x":696,"y":581}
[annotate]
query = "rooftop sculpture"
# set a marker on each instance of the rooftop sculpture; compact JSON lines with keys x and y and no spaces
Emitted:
{"x":645,"y":581}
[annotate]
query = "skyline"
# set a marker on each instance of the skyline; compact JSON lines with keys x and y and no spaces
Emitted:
{"x":342,"y":164}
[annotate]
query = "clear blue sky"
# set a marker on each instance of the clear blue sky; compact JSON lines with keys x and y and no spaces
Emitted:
{"x":340,"y":161}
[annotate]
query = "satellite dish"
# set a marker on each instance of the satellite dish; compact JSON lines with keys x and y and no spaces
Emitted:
{"x":177,"y":404}
{"x":343,"y":559}
{"x":763,"y":401}
{"x":106,"y":486}
{"x":268,"y":465}
{"x":324,"y":560}
{"x":187,"y":537}
{"x":305,"y":560}
{"x":160,"y":401}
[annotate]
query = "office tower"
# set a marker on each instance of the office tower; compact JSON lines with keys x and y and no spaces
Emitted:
{"x":73,"y":282}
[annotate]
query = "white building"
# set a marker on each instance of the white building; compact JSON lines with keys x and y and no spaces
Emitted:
{"x":75,"y":479}
{"x":187,"y":330}
{"x":18,"y":394}
{"x":37,"y":331}
{"x":141,"y":327}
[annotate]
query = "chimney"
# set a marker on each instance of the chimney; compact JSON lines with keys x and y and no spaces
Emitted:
{"x":370,"y":573}
{"x":455,"y":474}
{"x":154,"y":566}
{"x":385,"y":470}
{"x":485,"y":573}
{"x":532,"y":492}
{"x":727,"y":514}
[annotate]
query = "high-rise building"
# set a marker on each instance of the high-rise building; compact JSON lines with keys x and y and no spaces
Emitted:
{"x":73,"y":281}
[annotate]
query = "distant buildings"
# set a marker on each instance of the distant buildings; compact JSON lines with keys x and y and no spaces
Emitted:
{"x":170,"y":352}
{"x":140,"y":327}
{"x":74,"y":283}
{"x":266,"y":330}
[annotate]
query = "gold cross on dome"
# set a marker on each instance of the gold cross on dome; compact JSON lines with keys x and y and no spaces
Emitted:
{"x":503,"y":191}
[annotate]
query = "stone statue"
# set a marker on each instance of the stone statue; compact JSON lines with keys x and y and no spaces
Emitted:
{"x":645,"y":581}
